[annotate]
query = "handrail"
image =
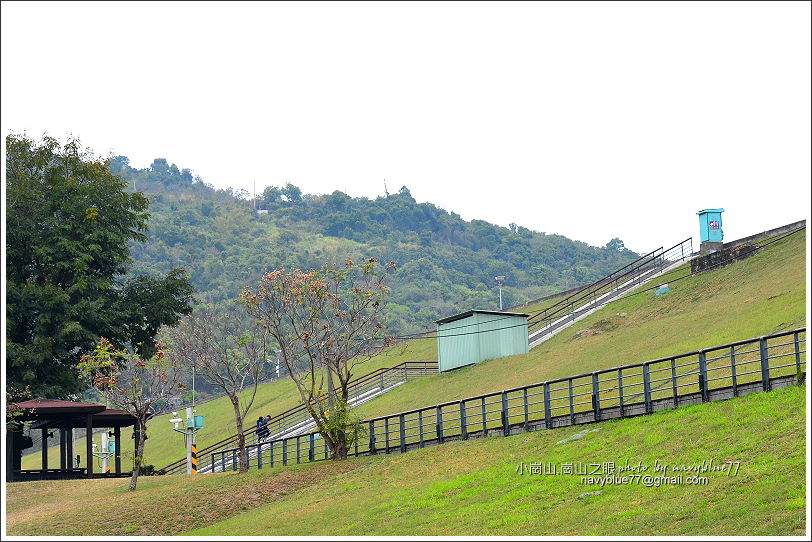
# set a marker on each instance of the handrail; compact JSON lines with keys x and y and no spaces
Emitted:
{"x":564,"y":300}
{"x":594,"y":288}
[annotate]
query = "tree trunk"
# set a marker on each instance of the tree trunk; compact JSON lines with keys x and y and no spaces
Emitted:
{"x":241,"y":451}
{"x":139,"y":453}
{"x":337,"y":443}
{"x":340,"y":452}
{"x":331,"y":392}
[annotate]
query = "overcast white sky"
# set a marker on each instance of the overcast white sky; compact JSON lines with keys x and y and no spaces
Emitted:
{"x":592,"y":120}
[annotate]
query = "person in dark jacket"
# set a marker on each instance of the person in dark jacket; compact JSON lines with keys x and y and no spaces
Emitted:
{"x":262,"y":428}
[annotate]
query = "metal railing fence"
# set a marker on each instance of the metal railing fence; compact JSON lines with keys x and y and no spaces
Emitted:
{"x":718,"y":372}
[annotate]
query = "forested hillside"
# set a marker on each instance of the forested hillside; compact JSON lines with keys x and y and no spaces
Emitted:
{"x":446,"y":264}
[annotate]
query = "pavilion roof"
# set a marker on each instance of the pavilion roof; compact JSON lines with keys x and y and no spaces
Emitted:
{"x":59,"y":413}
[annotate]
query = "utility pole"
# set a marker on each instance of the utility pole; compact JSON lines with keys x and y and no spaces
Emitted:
{"x":193,"y":385}
{"x":500,"y":279}
{"x":191,"y":449}
{"x":192,"y":428}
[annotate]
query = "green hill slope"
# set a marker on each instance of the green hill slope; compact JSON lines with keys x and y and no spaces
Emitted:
{"x":446,"y":264}
{"x":763,"y":294}
{"x":476,"y":487}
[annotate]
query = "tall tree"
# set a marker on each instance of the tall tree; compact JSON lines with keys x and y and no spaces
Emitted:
{"x":292,"y":193}
{"x":325,"y":322}
{"x":148,"y":302}
{"x":226,"y":348}
{"x":68,"y":221}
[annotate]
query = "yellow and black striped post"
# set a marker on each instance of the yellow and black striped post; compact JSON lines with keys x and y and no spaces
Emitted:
{"x":194,"y":458}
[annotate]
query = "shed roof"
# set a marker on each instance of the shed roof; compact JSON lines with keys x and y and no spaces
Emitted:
{"x":710,"y":211}
{"x":471,"y":313}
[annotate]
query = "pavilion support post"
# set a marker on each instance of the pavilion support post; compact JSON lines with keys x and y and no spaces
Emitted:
{"x":9,"y":457}
{"x":44,"y":448}
{"x":69,"y":459}
{"x":63,"y":449}
{"x":89,"y":445}
{"x":117,"y":436}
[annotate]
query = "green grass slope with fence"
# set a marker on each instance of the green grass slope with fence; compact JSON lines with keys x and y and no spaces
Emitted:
{"x":492,"y":486}
{"x":763,"y":294}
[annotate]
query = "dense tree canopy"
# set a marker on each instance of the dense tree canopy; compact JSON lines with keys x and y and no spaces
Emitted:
{"x":69,"y":224}
{"x":447,"y":264}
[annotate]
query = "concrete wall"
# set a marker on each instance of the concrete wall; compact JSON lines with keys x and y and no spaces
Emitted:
{"x":768,"y":233}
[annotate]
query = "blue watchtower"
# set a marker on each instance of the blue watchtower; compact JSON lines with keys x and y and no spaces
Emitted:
{"x":710,"y":230}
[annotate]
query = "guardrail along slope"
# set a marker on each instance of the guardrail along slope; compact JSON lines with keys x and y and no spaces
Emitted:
{"x":714,"y":373}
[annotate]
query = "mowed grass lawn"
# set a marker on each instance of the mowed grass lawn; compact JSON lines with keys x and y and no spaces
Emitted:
{"x":475,"y":487}
{"x":763,"y":294}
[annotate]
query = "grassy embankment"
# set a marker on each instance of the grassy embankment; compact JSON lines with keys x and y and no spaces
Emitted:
{"x":763,"y":294}
{"x":474,"y":487}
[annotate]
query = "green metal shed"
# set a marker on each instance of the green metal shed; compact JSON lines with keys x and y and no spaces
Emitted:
{"x":474,"y":336}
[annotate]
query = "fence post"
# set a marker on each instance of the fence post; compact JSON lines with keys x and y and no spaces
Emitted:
{"x":234,"y":460}
{"x":439,"y":425}
{"x":463,"y":421}
{"x":505,"y":415}
{"x":674,"y":381}
{"x":620,"y":391}
{"x":703,"y":376}
{"x":285,"y":452}
{"x":797,"y":342}
{"x":765,"y":364}
{"x":526,"y":412}
{"x":271,"y":463}
{"x":596,"y":398}
{"x":484,"y":420}
{"x":259,"y":455}
{"x":213,"y":464}
{"x":311,"y":452}
{"x":298,"y":448}
{"x":647,"y":388}
{"x":420,"y":424}
{"x":386,"y":433}
{"x":572,"y":405}
{"x":733,"y":371}
{"x":402,"y":434}
{"x":372,"y":450}
{"x":355,"y":442}
{"x":548,"y":422}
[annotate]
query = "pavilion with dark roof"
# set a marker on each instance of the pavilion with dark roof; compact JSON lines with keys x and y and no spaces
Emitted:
{"x":46,"y":415}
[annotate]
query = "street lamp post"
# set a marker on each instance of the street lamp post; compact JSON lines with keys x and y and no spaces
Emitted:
{"x":500,"y":279}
